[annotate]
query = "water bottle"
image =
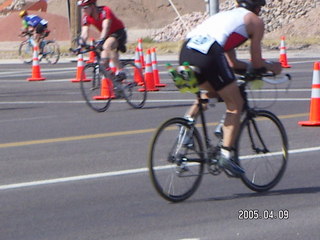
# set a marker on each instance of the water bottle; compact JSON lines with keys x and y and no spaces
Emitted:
{"x":177,"y":78}
{"x":191,"y":77}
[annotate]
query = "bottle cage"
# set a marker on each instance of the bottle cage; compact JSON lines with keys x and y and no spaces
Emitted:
{"x":185,"y":79}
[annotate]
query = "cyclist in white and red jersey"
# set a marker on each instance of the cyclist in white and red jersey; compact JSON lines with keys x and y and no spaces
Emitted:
{"x":211,"y":47}
{"x":113,"y":36}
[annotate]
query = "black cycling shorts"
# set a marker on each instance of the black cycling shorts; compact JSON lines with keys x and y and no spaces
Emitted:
{"x":121,"y":36}
{"x":213,"y":66}
{"x":40,"y":28}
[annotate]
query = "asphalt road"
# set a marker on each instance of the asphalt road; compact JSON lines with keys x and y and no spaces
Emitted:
{"x":67,"y":172}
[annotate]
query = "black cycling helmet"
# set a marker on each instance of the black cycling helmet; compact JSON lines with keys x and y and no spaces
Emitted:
{"x":251,"y":4}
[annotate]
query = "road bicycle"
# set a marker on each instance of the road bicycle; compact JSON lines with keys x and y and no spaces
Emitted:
{"x":100,"y":85}
{"x":178,"y":152}
{"x":48,"y":49}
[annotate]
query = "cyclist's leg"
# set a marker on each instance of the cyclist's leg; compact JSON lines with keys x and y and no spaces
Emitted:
{"x":39,"y":30}
{"x":234,"y":103}
{"x":193,"y":111}
{"x":203,"y":62}
{"x":223,"y":81}
{"x":110,"y":52}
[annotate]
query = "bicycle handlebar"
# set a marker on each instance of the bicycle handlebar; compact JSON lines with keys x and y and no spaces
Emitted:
{"x":85,"y":48}
{"x":269,"y":77}
{"x":27,"y":33}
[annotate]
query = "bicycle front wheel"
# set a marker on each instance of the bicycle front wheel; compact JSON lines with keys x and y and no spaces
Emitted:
{"x":96,"y":88}
{"x":26,"y":52}
{"x":176,"y":160}
{"x":133,"y":86}
{"x":262,"y":150}
{"x":51,"y":52}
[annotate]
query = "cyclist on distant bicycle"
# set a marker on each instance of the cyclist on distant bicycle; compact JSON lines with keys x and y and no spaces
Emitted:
{"x":211,"y":47}
{"x":34,"y":24}
{"x":113,"y":36}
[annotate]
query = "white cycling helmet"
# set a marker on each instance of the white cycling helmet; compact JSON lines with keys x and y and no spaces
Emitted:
{"x":86,"y":2}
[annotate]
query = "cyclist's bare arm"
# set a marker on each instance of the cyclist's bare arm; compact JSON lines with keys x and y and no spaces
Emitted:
{"x":84,"y":33}
{"x":234,"y":62}
{"x":106,"y":23}
{"x":255,"y":50}
{"x":255,"y":29}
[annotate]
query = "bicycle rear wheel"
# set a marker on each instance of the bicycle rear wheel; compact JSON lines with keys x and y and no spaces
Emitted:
{"x":51,"y":52}
{"x":133,"y":86}
{"x":176,"y":160}
{"x":96,"y":88}
{"x":26,"y":52}
{"x":262,"y":150}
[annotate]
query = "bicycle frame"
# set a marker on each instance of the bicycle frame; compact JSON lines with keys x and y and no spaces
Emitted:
{"x":261,"y":149}
{"x":203,"y":120}
{"x":127,"y":87}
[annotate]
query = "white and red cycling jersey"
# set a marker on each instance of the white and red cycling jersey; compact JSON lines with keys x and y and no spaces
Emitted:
{"x":104,"y":13}
{"x":226,"y":28}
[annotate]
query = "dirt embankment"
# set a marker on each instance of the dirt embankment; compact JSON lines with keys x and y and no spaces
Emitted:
{"x":142,"y":16}
{"x":137,"y":15}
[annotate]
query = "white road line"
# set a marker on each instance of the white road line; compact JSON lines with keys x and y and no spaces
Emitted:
{"x":151,"y":101}
{"x":107,"y":174}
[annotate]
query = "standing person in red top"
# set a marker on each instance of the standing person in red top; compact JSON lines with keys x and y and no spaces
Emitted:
{"x":113,"y":36}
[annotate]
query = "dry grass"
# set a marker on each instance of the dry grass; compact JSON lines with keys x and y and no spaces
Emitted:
{"x":174,"y":47}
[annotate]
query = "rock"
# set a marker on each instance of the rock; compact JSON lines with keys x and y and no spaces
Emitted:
{"x":276,"y":15}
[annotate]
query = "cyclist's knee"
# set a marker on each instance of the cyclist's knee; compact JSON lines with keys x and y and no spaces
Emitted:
{"x":234,"y":107}
{"x":105,"y":61}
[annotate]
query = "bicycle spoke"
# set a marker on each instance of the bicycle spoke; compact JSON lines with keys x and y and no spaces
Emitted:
{"x":262,"y":151}
{"x":95,"y":89}
{"x":175,"y":169}
{"x":26,"y":52}
{"x":51,"y":52}
{"x":133,"y":86}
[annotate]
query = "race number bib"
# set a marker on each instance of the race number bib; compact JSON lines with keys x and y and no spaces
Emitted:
{"x":201,"y":43}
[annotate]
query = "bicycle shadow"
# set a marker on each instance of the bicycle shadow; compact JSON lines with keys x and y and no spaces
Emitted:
{"x":167,"y":106}
{"x":16,"y":108}
{"x":306,"y":190}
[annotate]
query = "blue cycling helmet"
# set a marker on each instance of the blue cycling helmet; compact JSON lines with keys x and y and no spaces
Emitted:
{"x":251,"y":4}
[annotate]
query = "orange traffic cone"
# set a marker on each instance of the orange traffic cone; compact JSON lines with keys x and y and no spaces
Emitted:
{"x":148,"y":75}
{"x":81,"y":75}
{"x":155,"y":70}
{"x":140,"y":51}
{"x":283,"y":54}
{"x":36,"y":72}
{"x":314,"y":117}
{"x":138,"y":77}
{"x":92,"y":55}
{"x":106,"y":91}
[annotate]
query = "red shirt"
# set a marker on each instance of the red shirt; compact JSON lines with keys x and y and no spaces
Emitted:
{"x":104,"y":13}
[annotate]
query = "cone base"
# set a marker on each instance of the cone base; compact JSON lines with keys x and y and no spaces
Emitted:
{"x":286,"y":66}
{"x":36,"y":79}
{"x":309,"y":123}
{"x":148,"y":90}
{"x":103,"y":97}
{"x":78,"y":80}
{"x":161,"y":85}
